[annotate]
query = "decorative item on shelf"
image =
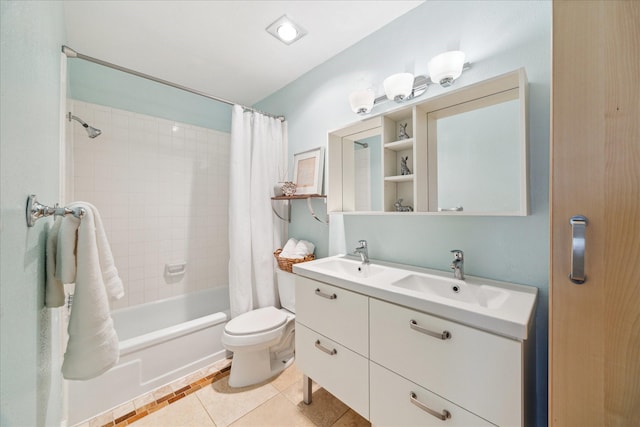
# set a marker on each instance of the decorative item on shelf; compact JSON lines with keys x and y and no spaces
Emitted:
{"x":288,"y":188}
{"x":277,"y":189}
{"x":444,"y":69}
{"x":307,"y":172}
{"x":403,"y":131}
{"x":404,"y":169}
{"x":401,"y":208}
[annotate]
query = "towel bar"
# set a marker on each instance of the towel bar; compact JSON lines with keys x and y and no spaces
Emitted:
{"x":36,"y":210}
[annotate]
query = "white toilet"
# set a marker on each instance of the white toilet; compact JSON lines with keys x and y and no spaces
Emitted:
{"x":262,"y":340}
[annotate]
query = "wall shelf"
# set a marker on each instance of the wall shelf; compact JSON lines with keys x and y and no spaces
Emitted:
{"x":306,"y":197}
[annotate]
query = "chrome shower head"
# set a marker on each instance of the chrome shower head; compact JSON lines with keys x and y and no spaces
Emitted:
{"x":91,"y":131}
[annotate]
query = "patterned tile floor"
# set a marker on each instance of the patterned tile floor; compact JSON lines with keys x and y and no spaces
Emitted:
{"x":205,"y":399}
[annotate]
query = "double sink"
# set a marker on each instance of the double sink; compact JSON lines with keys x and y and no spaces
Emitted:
{"x":499,"y":307}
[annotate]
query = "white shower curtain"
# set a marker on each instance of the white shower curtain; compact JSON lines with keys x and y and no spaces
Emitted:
{"x":257,"y":154}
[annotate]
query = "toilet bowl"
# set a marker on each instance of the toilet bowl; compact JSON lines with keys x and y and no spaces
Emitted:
{"x":262,"y":340}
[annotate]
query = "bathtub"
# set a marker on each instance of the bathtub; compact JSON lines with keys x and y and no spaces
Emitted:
{"x":159,"y":342}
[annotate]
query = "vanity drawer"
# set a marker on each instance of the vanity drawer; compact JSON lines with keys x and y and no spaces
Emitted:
{"x":334,"y":312}
{"x":392,"y":404}
{"x":340,"y":371}
{"x":477,"y":370}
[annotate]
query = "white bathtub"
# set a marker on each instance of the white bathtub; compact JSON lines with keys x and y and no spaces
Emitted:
{"x":159,"y":343}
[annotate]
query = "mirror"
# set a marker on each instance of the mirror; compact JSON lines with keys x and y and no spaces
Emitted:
{"x":466,"y":151}
{"x":477,"y":155}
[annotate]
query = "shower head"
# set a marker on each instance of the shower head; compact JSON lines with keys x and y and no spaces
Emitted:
{"x":362,"y":144}
{"x":91,"y":131}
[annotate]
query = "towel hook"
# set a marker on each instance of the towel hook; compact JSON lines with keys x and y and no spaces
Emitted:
{"x":36,"y":210}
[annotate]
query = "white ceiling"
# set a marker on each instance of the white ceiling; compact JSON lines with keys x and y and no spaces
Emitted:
{"x":221,"y":47}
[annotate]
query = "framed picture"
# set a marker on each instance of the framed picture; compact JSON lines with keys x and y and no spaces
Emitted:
{"x":307,"y":171}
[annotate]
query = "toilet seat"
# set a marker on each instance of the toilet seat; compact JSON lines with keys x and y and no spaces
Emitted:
{"x":256,"y":321}
{"x":259,"y":328}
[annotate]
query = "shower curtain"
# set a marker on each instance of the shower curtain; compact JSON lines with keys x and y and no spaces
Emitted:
{"x":257,"y":154}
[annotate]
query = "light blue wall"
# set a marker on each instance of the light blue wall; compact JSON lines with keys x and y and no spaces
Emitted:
{"x":97,"y":84}
{"x":31,"y":35}
{"x":498,"y":37}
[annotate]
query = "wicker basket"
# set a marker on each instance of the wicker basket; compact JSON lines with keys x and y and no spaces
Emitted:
{"x":286,"y":264}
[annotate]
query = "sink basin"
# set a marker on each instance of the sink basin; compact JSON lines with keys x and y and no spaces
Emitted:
{"x":352,"y":268}
{"x":457,"y":290}
{"x":499,"y":307}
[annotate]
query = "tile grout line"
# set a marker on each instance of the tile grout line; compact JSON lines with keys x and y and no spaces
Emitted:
{"x":166,"y":400}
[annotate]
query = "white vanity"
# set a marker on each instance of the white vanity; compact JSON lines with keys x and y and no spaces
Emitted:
{"x":406,"y":346}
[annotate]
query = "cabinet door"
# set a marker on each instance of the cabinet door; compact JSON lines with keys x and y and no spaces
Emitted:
{"x":396,"y":401}
{"x":340,"y":371}
{"x":477,"y":370}
{"x":334,"y":312}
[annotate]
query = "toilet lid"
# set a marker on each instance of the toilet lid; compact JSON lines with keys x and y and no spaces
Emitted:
{"x":256,"y":321}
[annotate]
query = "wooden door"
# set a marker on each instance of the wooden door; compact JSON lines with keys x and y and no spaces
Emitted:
{"x":594,"y":328}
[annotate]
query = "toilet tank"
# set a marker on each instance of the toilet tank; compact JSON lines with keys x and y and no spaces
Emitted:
{"x":286,"y":289}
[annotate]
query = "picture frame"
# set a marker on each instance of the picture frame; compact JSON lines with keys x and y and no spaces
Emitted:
{"x":308,"y":171}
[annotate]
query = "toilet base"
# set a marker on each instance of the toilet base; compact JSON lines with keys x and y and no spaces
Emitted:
{"x":249,"y":368}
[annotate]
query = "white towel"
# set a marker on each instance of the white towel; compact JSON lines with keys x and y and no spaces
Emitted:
{"x":93,"y":347}
{"x":305,"y":248}
{"x":54,"y":289}
{"x":297,"y":249}
{"x":66,"y":253}
{"x":289,"y":249}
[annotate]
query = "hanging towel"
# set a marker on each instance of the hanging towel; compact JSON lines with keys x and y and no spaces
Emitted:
{"x":54,"y":289}
{"x":66,"y":251}
{"x":93,"y":344}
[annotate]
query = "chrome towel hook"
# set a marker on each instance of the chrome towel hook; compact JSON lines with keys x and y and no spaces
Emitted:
{"x":36,"y":210}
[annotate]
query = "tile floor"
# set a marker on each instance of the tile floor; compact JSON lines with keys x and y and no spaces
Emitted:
{"x":277,"y":402}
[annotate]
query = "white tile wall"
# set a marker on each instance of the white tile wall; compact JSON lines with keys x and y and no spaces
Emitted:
{"x":162,"y":189}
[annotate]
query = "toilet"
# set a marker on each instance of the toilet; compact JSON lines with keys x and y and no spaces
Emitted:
{"x":262,"y":340}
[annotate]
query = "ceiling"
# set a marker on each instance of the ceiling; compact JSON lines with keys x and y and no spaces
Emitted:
{"x":221,"y":47}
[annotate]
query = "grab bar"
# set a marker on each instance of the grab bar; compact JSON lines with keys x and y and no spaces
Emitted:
{"x":36,"y":210}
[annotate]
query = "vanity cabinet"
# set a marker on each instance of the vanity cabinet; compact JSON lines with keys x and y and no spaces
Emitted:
{"x":476,"y":370}
{"x":332,"y":340}
{"x":399,"y":366}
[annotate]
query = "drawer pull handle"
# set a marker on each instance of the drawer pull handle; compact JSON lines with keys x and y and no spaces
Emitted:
{"x":332,"y":352}
{"x":444,"y":335}
{"x":444,"y":415}
{"x":327,"y":296}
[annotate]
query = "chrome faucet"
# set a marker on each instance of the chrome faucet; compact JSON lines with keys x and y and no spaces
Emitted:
{"x":458,"y":264}
{"x":363,"y":251}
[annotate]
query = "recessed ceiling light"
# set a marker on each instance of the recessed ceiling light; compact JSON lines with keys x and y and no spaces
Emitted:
{"x":285,"y":30}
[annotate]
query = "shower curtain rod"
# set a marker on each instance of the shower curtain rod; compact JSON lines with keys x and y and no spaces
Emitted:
{"x":70,"y":53}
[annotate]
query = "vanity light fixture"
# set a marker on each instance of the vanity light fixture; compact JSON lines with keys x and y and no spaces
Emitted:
{"x":285,"y":30}
{"x":444,"y":69}
{"x":362,"y":101}
{"x":398,"y":86}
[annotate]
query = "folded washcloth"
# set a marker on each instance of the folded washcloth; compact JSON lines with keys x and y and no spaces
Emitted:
{"x":289,"y":249}
{"x":93,"y":346}
{"x":54,"y":289}
{"x":304,"y":248}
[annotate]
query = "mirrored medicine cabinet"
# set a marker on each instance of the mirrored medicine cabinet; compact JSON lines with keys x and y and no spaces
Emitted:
{"x":460,"y":153}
